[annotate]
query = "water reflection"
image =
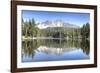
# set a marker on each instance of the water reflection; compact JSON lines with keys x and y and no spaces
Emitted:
{"x":54,"y":50}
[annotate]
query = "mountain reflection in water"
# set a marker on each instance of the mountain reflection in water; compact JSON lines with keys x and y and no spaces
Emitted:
{"x":54,"y":50}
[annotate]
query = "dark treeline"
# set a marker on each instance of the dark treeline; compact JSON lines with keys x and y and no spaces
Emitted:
{"x":85,"y":31}
{"x":29,"y":29}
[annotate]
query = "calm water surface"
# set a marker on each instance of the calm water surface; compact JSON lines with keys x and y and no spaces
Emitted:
{"x":54,"y":50}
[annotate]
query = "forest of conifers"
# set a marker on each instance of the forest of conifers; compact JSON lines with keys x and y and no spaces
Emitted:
{"x":29,"y":29}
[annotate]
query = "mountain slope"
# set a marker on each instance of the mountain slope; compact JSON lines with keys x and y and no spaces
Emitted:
{"x":56,"y":23}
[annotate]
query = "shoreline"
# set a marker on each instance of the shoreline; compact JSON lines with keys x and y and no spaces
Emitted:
{"x":66,"y":38}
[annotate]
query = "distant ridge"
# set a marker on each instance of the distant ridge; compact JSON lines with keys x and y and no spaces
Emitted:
{"x":55,"y":23}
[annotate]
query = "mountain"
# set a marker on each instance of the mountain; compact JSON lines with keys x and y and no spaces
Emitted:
{"x":56,"y":23}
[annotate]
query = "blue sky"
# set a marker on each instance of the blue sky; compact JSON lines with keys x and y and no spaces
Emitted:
{"x":69,"y":17}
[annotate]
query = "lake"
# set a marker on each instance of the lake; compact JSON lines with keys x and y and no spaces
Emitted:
{"x":40,"y":50}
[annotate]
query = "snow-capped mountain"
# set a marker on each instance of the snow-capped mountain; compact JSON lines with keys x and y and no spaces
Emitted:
{"x":56,"y":23}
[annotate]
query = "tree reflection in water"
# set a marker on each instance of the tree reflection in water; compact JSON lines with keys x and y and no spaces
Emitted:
{"x":55,"y":47}
{"x":85,"y":46}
